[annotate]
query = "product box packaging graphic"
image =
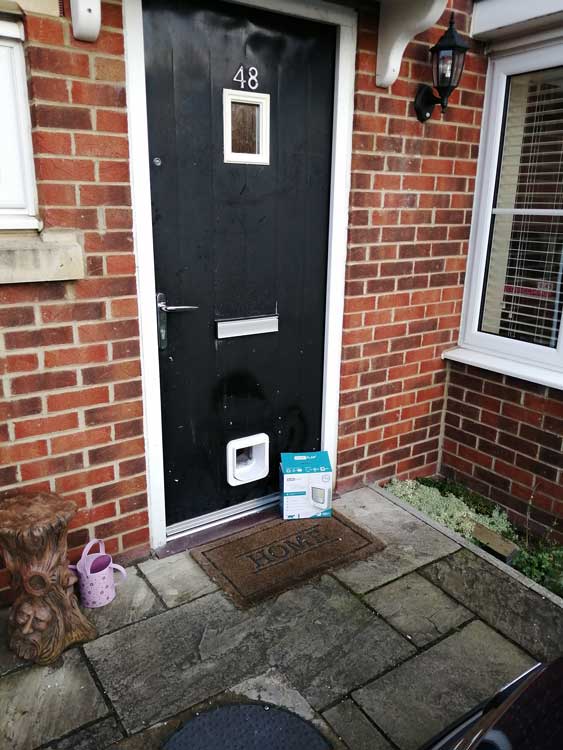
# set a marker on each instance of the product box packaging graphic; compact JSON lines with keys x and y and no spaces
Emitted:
{"x":306,"y":485}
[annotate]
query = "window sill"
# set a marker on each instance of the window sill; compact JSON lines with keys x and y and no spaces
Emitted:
{"x":48,"y":256}
{"x":531,"y":373}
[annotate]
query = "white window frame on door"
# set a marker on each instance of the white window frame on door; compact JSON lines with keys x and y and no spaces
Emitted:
{"x":262,"y":101}
{"x":345,"y":20}
{"x":520,"y":359}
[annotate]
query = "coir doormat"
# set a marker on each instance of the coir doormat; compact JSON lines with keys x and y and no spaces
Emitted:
{"x":266,"y":560}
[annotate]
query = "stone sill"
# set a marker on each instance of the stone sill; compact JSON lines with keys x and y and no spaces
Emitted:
{"x":47,"y":256}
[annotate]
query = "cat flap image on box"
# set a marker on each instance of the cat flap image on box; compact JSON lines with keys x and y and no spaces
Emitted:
{"x":319,"y":496}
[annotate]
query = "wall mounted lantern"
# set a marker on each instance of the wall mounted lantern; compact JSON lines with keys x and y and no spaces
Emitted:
{"x":448,"y":57}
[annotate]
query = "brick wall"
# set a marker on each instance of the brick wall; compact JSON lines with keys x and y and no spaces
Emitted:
{"x":504,"y":438}
{"x":410,"y":212}
{"x":72,"y":413}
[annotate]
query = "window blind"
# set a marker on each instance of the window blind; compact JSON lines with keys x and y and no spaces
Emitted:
{"x":523,"y":291}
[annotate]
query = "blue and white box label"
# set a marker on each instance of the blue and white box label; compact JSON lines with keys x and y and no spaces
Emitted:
{"x":306,"y":485}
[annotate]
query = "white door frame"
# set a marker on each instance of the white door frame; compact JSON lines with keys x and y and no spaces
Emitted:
{"x":346,"y":21}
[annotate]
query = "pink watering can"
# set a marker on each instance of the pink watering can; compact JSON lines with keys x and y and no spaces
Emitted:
{"x":95,"y":576}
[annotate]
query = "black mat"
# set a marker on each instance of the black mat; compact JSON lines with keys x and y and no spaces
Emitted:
{"x":247,"y":727}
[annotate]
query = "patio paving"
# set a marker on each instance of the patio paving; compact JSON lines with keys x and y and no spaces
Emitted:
{"x":379,"y":655}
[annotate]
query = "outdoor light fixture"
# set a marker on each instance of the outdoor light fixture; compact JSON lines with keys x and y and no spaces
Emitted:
{"x":448,"y":57}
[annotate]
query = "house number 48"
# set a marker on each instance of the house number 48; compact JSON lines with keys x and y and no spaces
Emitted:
{"x":251,"y":78}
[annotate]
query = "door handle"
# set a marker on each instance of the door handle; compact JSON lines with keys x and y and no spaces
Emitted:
{"x":162,"y":310}
{"x":161,"y":303}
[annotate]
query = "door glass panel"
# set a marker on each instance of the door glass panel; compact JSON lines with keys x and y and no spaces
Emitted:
{"x":245,"y":128}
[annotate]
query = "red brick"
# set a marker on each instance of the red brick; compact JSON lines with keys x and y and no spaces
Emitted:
{"x":134,"y":538}
{"x":128,"y":429}
{"x":55,"y":194}
{"x":64,"y":118}
{"x":120,"y":489}
{"x":111,"y":122}
{"x":19,"y":363}
{"x":39,"y":338}
{"x":125,"y":523}
{"x":108,"y":331}
{"x":111,"y":15}
{"x":76,"y":355}
{"x":109,"y":69}
{"x":98,"y":94}
{"x":77,"y":399}
{"x":43,"y":382}
{"x":108,"y":287}
{"x":77,"y":218}
{"x":45,"y":142}
{"x":16,"y":316}
{"x":101,"y":145}
{"x":114,"y":413}
{"x":58,"y":61}
{"x":82,"y":439}
{"x":51,"y":466}
{"x":64,"y":170}
{"x":15,"y":453}
{"x":90,"y":478}
{"x":49,"y":89}
{"x":45,"y":425}
{"x":116,"y":242}
{"x":45,"y":30}
{"x":70,"y":312}
{"x":108,"y":41}
{"x":88,"y":516}
{"x":118,"y":218}
{"x":108,"y":195}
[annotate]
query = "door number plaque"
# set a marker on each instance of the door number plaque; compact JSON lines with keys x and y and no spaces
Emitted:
{"x":247,"y":76}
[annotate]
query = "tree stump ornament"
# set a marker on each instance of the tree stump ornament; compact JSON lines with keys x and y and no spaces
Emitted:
{"x":45,"y":618}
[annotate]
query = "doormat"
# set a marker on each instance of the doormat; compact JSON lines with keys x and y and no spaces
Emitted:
{"x":257,"y":563}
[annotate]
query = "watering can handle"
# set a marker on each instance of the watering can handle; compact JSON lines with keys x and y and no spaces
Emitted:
{"x":115,"y":566}
{"x":90,"y":544}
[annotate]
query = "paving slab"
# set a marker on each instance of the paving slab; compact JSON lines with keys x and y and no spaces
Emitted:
{"x":410,"y":543}
{"x":352,"y":726}
{"x":328,"y":643}
{"x":177,"y":579}
{"x":320,"y":636}
{"x":8,"y":660}
{"x":420,"y":610}
{"x":98,"y":736}
{"x":134,"y":601}
{"x":40,"y":704}
{"x":160,"y":666}
{"x":418,"y":699}
{"x":532,"y":621}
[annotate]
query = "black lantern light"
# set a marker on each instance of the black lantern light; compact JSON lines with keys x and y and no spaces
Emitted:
{"x":448,"y":57}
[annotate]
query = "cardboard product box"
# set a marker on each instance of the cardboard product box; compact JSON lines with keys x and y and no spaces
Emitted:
{"x":306,"y":485}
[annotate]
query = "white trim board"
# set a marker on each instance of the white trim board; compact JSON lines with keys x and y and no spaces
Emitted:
{"x":346,"y":21}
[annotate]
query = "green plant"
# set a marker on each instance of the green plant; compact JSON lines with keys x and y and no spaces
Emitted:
{"x":459,"y":508}
{"x":543,"y":565}
{"x":450,"y":509}
{"x":450,"y":487}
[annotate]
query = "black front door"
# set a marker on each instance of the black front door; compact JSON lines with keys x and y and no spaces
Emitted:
{"x":240,"y":194}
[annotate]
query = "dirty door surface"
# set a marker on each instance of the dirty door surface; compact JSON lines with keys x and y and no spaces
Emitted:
{"x":237,"y":240}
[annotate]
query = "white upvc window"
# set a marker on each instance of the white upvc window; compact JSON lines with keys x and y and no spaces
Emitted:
{"x":513,"y":299}
{"x":18,"y":201}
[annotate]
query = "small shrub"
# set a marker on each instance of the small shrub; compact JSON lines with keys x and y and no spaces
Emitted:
{"x":450,"y":509}
{"x":543,"y":565}
{"x":459,"y":509}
